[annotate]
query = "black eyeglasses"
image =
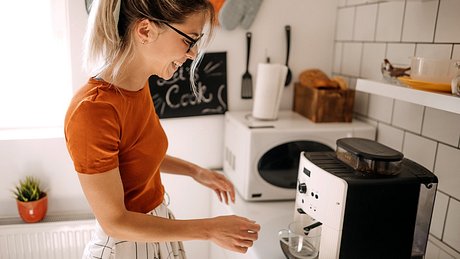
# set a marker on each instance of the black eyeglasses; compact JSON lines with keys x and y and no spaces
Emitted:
{"x":192,"y":42}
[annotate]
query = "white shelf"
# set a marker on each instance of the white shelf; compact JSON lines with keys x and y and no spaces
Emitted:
{"x":441,"y":101}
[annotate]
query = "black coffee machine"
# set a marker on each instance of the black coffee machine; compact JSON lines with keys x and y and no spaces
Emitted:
{"x":366,"y":201}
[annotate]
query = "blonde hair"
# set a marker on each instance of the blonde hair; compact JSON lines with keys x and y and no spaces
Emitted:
{"x":108,"y":42}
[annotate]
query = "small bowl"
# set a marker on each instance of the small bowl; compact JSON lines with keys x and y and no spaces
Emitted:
{"x":434,"y":70}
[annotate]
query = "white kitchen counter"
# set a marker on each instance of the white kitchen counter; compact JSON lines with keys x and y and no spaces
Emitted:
{"x":272,"y":217}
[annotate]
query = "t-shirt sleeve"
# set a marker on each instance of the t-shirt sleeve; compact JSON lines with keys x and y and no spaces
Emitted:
{"x":93,"y":136}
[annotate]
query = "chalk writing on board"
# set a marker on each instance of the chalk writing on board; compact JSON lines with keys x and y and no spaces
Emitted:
{"x":174,"y":97}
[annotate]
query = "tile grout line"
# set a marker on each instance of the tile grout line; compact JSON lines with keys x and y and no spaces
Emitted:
{"x":436,"y":22}
{"x":403,"y":20}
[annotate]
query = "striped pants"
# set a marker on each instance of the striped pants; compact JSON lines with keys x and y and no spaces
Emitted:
{"x":102,"y":246}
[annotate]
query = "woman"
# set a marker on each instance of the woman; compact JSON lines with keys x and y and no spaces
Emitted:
{"x":117,"y":143}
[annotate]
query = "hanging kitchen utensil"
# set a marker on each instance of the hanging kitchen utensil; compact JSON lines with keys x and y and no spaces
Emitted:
{"x":246,"y":84}
{"x":287,"y":28}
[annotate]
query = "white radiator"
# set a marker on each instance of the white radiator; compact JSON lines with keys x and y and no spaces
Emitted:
{"x":56,"y":237}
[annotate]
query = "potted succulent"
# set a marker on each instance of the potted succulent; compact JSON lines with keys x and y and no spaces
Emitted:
{"x":32,"y":201}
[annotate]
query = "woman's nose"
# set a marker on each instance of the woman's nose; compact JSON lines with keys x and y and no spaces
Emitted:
{"x":193,"y":52}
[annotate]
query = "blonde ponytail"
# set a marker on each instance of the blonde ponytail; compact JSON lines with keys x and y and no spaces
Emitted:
{"x":102,"y":41}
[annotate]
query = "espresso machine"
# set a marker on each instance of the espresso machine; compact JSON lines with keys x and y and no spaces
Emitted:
{"x":365,"y":200}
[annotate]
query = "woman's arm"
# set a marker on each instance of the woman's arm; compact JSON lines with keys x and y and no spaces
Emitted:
{"x":174,"y":165}
{"x":209,"y":178}
{"x":104,"y":193}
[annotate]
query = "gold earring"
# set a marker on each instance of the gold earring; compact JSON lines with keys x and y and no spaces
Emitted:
{"x":143,"y":42}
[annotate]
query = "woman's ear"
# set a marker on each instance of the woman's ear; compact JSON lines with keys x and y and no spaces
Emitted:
{"x":145,"y":31}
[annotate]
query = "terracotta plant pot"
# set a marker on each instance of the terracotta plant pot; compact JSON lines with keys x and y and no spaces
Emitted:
{"x":33,"y":211}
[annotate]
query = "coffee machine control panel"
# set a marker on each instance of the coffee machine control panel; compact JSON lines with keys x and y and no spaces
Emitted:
{"x":320,"y":194}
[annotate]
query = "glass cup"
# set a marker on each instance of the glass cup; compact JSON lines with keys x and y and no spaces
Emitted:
{"x":456,"y":85}
{"x":301,"y":244}
{"x":434,"y":70}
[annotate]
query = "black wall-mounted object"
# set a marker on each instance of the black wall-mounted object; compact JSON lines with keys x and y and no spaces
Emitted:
{"x":174,"y":98}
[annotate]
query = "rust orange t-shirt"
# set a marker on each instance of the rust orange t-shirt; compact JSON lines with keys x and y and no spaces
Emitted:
{"x":107,"y":127}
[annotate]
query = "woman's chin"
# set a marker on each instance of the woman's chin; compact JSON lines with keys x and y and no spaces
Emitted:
{"x":166,"y":76}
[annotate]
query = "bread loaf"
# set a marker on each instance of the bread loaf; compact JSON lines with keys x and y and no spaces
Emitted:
{"x":317,"y":79}
{"x":343,"y":84}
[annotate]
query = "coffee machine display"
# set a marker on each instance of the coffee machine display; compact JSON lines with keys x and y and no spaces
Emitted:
{"x":364,"y":201}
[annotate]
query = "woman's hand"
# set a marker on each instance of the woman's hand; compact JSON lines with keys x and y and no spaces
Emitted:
{"x":217,"y":182}
{"x":234,"y":233}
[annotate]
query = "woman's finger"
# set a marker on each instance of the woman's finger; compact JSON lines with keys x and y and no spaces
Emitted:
{"x":229,"y":188}
{"x":239,"y":249}
{"x":218,"y":194}
{"x":244,"y":243}
{"x":225,"y":194}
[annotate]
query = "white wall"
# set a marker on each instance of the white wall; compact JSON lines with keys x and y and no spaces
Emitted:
{"x":46,"y":159}
{"x":198,"y":139}
{"x":368,"y":32}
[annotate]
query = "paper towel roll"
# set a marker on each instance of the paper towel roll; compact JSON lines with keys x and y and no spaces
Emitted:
{"x":268,"y":90}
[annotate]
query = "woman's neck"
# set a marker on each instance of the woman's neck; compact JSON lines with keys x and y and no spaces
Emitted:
{"x":131,"y":76}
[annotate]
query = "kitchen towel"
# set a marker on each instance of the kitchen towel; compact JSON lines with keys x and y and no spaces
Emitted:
{"x":268,"y":91}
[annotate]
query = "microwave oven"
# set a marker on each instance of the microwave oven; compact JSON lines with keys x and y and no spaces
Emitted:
{"x":261,"y":158}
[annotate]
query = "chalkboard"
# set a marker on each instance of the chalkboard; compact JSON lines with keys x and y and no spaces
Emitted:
{"x":174,"y":97}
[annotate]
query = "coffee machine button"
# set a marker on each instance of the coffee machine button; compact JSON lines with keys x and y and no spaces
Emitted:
{"x":302,"y":188}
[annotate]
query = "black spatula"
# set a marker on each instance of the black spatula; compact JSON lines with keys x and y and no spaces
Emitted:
{"x":246,"y":84}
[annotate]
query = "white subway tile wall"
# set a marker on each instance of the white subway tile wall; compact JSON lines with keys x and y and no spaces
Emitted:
{"x":361,"y":105}
{"x":452,"y":230}
{"x":432,"y":251}
{"x":369,"y":31}
{"x":400,"y":53}
{"x":420,"y":149}
{"x":434,"y":50}
{"x":443,"y":126}
{"x":345,"y":22}
{"x":365,"y":22}
{"x":380,"y":108}
{"x":444,"y":255}
{"x":419,"y":21}
{"x":389,"y":23}
{"x":337,"y":57}
{"x":448,"y":16}
{"x":351,"y":58}
{"x":456,"y":52}
{"x":390,"y":136}
{"x":408,"y":116}
{"x":447,"y":166}
{"x":439,"y":214}
{"x":356,"y":2}
{"x":373,"y":54}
